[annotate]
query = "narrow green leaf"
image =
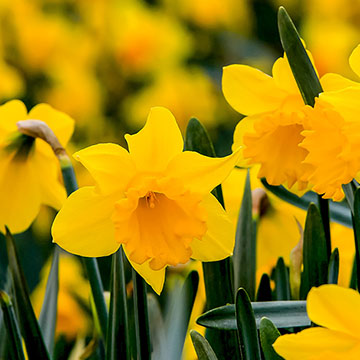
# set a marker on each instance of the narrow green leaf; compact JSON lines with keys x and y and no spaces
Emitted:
{"x":29,"y":326}
{"x":284,"y":314}
{"x":244,"y":258}
{"x":245,"y":319}
{"x":13,"y":332}
{"x":301,"y":66}
{"x":339,"y":211}
{"x":315,"y":253}
{"x":268,"y":334}
{"x":356,"y":221}
{"x":333,"y":272}
{"x":202,"y":347}
{"x":48,"y":314}
{"x":264,"y":292}
{"x":143,"y":343}
{"x":217,"y":274}
{"x":349,"y":190}
{"x":118,"y":340}
{"x":179,"y":317}
{"x":281,"y":278}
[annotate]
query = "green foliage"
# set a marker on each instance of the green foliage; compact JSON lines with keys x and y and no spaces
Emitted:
{"x":202,"y":347}
{"x":268,"y":334}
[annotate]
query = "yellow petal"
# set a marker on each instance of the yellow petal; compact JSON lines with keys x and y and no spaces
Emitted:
{"x":345,"y":102}
{"x":52,"y":191}
{"x":61,"y":124}
{"x":83,"y":226}
{"x":250,"y":91}
{"x":201,"y":173}
{"x":10,"y":113}
{"x":284,"y":77}
{"x":218,"y":242}
{"x":20,"y":194}
{"x":316,"y":344}
{"x":336,"y":308}
{"x":157,"y":142}
{"x":354,"y":60}
{"x":155,"y":278}
{"x":110,"y":165}
{"x":333,"y":82}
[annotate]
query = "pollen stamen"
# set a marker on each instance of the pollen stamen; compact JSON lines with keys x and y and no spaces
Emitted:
{"x":150,"y":198}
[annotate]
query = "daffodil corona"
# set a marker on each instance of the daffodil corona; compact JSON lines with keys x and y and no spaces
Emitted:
{"x":154,"y":200}
{"x":29,"y":170}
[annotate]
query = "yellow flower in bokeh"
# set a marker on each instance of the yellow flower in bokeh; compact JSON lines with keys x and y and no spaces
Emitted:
{"x":333,"y":136}
{"x":337,"y":310}
{"x":270,"y":133}
{"x":154,"y":200}
{"x":72,"y":320}
{"x":186,"y":92}
{"x":29,"y":170}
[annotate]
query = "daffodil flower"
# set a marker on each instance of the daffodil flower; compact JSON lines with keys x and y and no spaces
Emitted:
{"x":336,"y":309}
{"x":29,"y":170}
{"x":270,"y":133}
{"x":154,"y":200}
{"x":333,"y":135}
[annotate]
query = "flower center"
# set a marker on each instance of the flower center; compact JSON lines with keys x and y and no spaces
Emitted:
{"x":159,"y":227}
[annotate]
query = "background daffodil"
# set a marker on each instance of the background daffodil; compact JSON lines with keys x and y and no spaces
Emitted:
{"x":337,"y":310}
{"x":270,"y":133}
{"x":29,"y":170}
{"x":153,"y":199}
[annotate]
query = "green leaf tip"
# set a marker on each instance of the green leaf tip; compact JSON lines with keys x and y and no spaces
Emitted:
{"x":300,"y":63}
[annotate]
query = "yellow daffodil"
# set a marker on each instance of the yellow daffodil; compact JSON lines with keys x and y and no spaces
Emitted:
{"x":29,"y":170}
{"x":154,"y":200}
{"x":270,"y":133}
{"x":336,"y":309}
{"x":333,"y":136}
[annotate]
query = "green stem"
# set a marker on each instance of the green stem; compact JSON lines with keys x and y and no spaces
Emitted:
{"x":143,"y":345}
{"x":325,"y":217}
{"x":90,"y":264}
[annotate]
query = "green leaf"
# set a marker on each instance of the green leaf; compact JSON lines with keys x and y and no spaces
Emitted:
{"x":48,"y":314}
{"x":178,"y":320}
{"x":281,"y":278}
{"x":202,"y":347}
{"x":118,"y":340}
{"x":349,"y":190}
{"x":13,"y":332}
{"x":268,"y":334}
{"x":29,"y":326}
{"x":339,"y":211}
{"x":244,"y":258}
{"x":284,"y":314}
{"x":315,"y":253}
{"x":245,"y":319}
{"x":333,"y":272}
{"x":264,"y":292}
{"x":300,"y":64}
{"x":356,"y":220}
{"x":143,"y":343}
{"x":217,"y":274}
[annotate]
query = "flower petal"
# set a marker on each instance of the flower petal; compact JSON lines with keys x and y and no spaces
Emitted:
{"x":10,"y":113}
{"x":201,"y":174}
{"x":336,"y":308}
{"x":83,"y":226}
{"x":354,"y":60}
{"x":60,"y":123}
{"x":157,"y":142}
{"x":284,"y":77}
{"x":317,"y":343}
{"x":20,"y":193}
{"x":155,"y":278}
{"x":333,"y":82}
{"x":219,"y":240}
{"x":110,"y":165}
{"x":250,"y":91}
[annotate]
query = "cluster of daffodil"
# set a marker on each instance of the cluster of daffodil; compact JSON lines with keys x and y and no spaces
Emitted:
{"x":157,"y":204}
